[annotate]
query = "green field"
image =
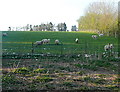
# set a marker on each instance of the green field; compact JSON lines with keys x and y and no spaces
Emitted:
{"x":21,"y":42}
{"x":59,"y":72}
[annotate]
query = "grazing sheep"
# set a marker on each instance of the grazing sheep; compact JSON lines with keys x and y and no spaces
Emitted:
{"x":44,"y":41}
{"x":101,"y":34}
{"x":57,"y":42}
{"x":76,"y":40}
{"x":94,"y":36}
{"x":5,"y":34}
{"x":38,"y":43}
{"x":108,"y":47}
{"x":111,"y":46}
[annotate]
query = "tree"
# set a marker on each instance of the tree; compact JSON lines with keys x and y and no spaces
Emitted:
{"x":59,"y":27}
{"x":62,"y":27}
{"x":31,"y":29}
{"x":100,"y":16}
{"x":49,"y":26}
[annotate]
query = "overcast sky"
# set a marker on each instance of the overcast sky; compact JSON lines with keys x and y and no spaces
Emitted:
{"x":22,"y":12}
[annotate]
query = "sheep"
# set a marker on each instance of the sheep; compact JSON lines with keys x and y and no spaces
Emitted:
{"x":76,"y":40}
{"x":45,"y":41}
{"x":94,"y":36}
{"x":101,"y":34}
{"x":38,"y":43}
{"x":108,"y":47}
{"x":5,"y":34}
{"x":57,"y":42}
{"x":48,"y":40}
{"x":111,"y":46}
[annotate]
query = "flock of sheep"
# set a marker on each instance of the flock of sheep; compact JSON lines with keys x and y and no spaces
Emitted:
{"x":107,"y":47}
{"x":46,"y":41}
{"x":95,"y":36}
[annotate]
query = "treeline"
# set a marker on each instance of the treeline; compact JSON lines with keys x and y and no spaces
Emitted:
{"x":49,"y":27}
{"x":42,"y":27}
{"x":100,"y":16}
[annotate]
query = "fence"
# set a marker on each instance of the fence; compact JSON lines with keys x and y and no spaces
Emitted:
{"x":82,"y":49}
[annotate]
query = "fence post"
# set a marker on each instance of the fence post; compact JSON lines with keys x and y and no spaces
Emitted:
{"x":32,"y":48}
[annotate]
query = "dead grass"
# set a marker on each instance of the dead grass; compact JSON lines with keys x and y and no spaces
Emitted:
{"x":64,"y":76}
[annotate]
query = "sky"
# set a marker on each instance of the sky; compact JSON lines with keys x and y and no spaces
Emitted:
{"x":16,"y":13}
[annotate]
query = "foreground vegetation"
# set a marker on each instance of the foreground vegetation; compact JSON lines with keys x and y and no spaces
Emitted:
{"x":58,"y":67}
{"x":60,"y":74}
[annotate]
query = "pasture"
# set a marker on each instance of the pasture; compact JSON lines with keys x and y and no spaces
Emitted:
{"x":60,"y":67}
{"x":21,"y":43}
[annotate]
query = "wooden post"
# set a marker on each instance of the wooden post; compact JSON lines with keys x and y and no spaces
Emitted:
{"x":32,"y":48}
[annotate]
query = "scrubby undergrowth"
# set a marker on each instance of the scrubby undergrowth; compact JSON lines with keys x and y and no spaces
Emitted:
{"x":53,"y":74}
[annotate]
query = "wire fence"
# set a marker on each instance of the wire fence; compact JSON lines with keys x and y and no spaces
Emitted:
{"x":88,"y":50}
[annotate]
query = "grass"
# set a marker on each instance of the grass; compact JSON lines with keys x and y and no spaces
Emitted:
{"x":40,"y":70}
{"x":22,"y":70}
{"x":69,"y":71}
{"x":42,"y":79}
{"x":21,"y":42}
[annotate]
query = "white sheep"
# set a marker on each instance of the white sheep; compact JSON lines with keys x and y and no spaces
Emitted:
{"x":108,"y":47}
{"x":5,"y":34}
{"x":101,"y":35}
{"x":94,"y":36}
{"x":44,"y":41}
{"x":111,"y":46}
{"x":38,"y":43}
{"x":57,"y":42}
{"x":76,"y":40}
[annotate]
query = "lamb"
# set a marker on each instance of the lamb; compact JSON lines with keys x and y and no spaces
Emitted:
{"x":5,"y":34}
{"x":57,"y":42}
{"x":94,"y":36}
{"x":76,"y":40}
